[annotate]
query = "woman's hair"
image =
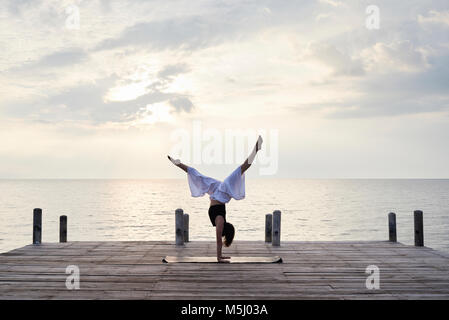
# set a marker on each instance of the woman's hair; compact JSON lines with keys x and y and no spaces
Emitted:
{"x":228,"y":233}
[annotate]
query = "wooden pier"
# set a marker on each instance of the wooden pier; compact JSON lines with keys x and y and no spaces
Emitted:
{"x":310,"y":270}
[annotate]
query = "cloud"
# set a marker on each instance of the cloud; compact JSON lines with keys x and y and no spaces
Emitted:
{"x":186,"y":33}
{"x":385,"y":107}
{"x":173,"y":70}
{"x":89,"y":101}
{"x":398,"y":94}
{"x":435,"y":17}
{"x":323,"y":16}
{"x":181,"y":104}
{"x":352,"y":54}
{"x":51,"y":62}
{"x":153,"y":113}
{"x":333,"y":3}
{"x":62,"y":58}
{"x":15,"y":7}
{"x":339,"y":62}
{"x":399,"y":55}
{"x":192,"y":32}
{"x":235,"y":63}
{"x":400,"y":78}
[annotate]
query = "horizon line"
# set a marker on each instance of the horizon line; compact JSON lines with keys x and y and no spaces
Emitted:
{"x":253,"y":178}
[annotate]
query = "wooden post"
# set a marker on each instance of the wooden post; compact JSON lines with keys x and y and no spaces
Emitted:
{"x":179,"y":224}
{"x":63,"y":229}
{"x":392,"y":227}
{"x":37,"y":226}
{"x":276,"y":228}
{"x":419,"y":228}
{"x":268,"y":227}
{"x":186,"y":227}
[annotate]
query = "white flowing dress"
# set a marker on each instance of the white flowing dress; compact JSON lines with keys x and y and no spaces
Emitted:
{"x":233,"y":187}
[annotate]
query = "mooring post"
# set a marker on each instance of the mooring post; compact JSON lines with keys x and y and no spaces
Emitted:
{"x":276,"y":228}
{"x":392,"y":227}
{"x":37,"y":226}
{"x":179,"y":224}
{"x":63,"y":229}
{"x":268,"y":227}
{"x":419,"y":228}
{"x":186,"y":227}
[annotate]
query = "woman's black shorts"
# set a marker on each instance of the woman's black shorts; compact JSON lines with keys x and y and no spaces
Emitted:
{"x":217,"y":210}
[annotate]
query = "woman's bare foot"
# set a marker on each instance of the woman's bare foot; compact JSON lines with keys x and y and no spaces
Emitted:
{"x":174,"y":161}
{"x":259,"y":143}
{"x":257,"y":147}
{"x":178,"y":163}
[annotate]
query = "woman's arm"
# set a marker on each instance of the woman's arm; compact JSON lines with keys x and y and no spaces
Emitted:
{"x":219,"y":225}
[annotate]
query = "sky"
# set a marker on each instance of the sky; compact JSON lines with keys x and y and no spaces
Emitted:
{"x":106,"y":89}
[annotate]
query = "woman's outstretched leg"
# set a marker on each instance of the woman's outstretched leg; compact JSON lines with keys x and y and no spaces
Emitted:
{"x":178,"y":163}
{"x":251,"y":157}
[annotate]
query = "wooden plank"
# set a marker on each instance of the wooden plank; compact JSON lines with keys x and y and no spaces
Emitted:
{"x":310,"y":270}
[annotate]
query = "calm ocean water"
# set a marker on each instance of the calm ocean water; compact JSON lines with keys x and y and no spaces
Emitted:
{"x":144,"y":209}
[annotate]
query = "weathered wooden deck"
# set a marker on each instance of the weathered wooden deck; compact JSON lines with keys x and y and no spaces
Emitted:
{"x":311,"y":270}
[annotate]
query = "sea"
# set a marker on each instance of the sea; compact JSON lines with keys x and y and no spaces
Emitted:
{"x":311,"y":210}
